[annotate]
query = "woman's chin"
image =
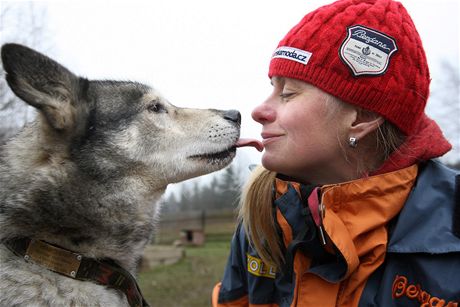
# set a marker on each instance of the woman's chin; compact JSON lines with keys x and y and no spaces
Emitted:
{"x":271,"y":162}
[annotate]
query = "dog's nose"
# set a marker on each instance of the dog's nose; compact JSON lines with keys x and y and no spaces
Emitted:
{"x":233,"y":115}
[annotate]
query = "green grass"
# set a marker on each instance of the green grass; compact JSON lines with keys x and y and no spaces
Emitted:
{"x":189,"y":282}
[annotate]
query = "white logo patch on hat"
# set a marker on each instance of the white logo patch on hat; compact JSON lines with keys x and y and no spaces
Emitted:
{"x":366,"y":51}
{"x":293,"y":54}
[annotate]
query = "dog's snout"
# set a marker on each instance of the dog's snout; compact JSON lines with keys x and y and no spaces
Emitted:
{"x":233,"y":115}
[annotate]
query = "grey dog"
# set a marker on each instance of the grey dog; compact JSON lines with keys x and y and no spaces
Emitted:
{"x":79,"y":185}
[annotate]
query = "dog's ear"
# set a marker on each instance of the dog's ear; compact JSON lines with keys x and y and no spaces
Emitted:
{"x":42,"y":83}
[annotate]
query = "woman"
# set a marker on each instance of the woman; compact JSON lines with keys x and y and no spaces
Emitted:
{"x":349,"y":208}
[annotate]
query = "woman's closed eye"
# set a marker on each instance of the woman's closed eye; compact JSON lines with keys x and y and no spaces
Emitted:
{"x":287,"y":95}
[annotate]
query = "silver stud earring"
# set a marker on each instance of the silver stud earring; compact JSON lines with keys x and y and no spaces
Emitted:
{"x":353,"y":142}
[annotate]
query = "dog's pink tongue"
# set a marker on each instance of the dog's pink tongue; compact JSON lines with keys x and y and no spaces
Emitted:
{"x":250,"y":142}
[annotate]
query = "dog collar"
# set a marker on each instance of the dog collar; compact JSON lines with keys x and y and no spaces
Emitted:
{"x":73,"y":265}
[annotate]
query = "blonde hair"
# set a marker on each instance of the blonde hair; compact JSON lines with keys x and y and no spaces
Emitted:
{"x":256,"y":215}
{"x":256,"y":210}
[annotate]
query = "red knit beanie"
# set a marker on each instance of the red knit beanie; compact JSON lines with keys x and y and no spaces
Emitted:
{"x":365,"y":52}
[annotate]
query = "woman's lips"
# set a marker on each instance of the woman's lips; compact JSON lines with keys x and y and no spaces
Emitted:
{"x":268,"y":137}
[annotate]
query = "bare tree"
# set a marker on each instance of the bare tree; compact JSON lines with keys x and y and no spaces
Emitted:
{"x":24,"y":23}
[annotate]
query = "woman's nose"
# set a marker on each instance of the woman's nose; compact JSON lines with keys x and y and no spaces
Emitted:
{"x":263,"y":113}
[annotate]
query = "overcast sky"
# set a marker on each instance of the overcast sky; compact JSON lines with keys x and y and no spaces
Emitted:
{"x":208,"y":53}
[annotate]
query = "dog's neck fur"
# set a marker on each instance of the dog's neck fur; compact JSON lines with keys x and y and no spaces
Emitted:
{"x":98,"y":216}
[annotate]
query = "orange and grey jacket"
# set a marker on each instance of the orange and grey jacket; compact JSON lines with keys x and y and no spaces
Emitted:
{"x":385,"y":240}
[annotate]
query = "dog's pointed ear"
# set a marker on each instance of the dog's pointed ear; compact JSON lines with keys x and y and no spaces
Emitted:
{"x":42,"y":83}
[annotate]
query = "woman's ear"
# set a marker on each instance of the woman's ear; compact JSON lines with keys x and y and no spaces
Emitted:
{"x":365,"y":123}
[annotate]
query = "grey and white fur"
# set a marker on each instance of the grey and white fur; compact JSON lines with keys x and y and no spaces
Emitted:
{"x":87,"y":173}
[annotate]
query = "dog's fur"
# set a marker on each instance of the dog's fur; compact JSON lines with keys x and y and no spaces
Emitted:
{"x":87,"y":173}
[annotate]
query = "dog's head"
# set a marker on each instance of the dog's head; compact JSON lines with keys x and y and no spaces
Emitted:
{"x":115,"y":127}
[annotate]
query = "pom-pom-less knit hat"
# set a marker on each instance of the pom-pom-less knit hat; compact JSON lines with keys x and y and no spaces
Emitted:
{"x":365,"y":52}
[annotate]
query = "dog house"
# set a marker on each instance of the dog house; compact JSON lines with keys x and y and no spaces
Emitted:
{"x":192,"y":237}
{"x":192,"y":232}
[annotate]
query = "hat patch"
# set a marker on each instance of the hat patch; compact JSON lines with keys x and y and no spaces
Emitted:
{"x":293,"y":54}
{"x":366,"y":51}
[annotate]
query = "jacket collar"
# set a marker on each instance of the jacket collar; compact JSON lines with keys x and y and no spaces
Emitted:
{"x":425,"y":224}
{"x":355,"y":217}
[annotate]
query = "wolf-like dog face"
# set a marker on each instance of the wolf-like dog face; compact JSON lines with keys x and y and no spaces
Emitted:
{"x":126,"y":120}
{"x":87,"y":173}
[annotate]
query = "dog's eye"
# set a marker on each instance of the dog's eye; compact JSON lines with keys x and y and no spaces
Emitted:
{"x":156,"y":107}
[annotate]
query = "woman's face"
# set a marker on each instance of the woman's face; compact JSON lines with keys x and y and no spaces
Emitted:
{"x":302,"y":131}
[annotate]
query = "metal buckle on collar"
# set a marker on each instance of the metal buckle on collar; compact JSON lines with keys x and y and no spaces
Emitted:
{"x":53,"y":258}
